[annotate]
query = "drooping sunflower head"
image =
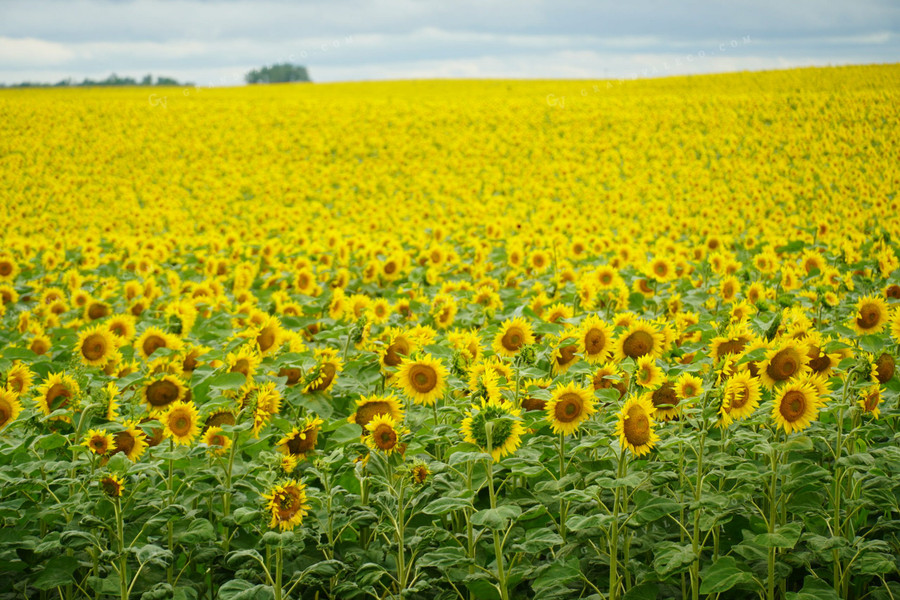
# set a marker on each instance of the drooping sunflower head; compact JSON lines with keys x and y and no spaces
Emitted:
{"x":59,"y":392}
{"x":397,"y":345}
{"x":244,"y":360}
{"x":131,"y":441}
{"x":635,"y":425}
{"x":884,"y":366}
{"x":639,"y":339}
{"x":569,"y":407}
{"x":666,"y":402}
{"x":98,"y":441}
{"x":870,"y":399}
{"x":287,"y":505}
{"x":529,"y":399}
{"x":384,"y":433}
{"x":514,"y":334}
{"x":301,"y":440}
{"x":368,"y":407}
{"x":181,"y":422}
{"x":565,"y":354}
{"x":596,"y":340}
{"x":494,"y":426}
{"x":216,"y":441}
{"x":162,"y":391}
{"x":795,"y":407}
{"x":10,"y":407}
{"x":112,"y":485}
{"x":419,"y":472}
{"x":422,"y":379}
{"x":785,"y":361}
{"x":871,"y":315}
{"x":324,"y":374}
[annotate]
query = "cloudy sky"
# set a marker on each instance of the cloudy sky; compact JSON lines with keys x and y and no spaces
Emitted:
{"x":215,"y":42}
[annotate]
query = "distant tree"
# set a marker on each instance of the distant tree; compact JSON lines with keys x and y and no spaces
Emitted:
{"x":112,"y":80}
{"x":280,"y":73}
{"x":147,"y":80}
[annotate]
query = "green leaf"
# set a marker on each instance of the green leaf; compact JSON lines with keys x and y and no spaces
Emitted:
{"x":814,"y":589}
{"x":442,"y":506}
{"x":644,"y":591}
{"x":722,"y":576}
{"x":244,"y":515}
{"x":238,"y":589}
{"x":228,"y":381}
{"x":785,"y":536}
{"x":649,"y":508}
{"x":199,"y":530}
{"x":49,"y":442}
{"x":58,"y":571}
{"x":670,"y":557}
{"x":582,"y":522}
{"x":538,"y":540}
{"x":442,"y":558}
{"x":153,"y":554}
{"x":555,"y":576}
{"x":496,"y":518}
{"x":874,"y":563}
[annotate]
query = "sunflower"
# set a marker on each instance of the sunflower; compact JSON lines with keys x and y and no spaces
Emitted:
{"x":122,"y":327}
{"x":635,"y":425}
{"x":569,"y":407}
{"x":468,"y":343}
{"x":217,"y":443}
{"x":398,"y":345}
{"x":384,"y":434}
{"x":131,"y":441}
{"x":647,"y":373}
{"x":112,"y":485}
{"x":96,"y":345}
{"x":883,"y":369}
{"x":245,"y":361}
{"x":871,"y":315}
{"x":153,"y":339}
{"x":609,"y":376}
{"x":99,"y":441}
{"x":162,"y":391}
{"x":595,"y":339}
{"x":268,"y":404}
{"x":10,"y":407}
{"x":368,"y":407}
{"x":301,"y":440}
{"x":269,"y":335}
{"x":19,"y":378}
{"x":494,"y":362}
{"x":557,"y":313}
{"x":528,"y":401}
{"x":870,"y":399}
{"x":59,"y":391}
{"x":322,"y":377}
{"x":795,"y":407}
{"x":665,"y":401}
{"x":514,"y":335}
{"x":422,"y":379}
{"x":786,"y":360}
{"x":419,"y":472}
{"x":181,"y":422}
{"x":40,"y":344}
{"x":741,"y":398}
{"x":688,"y":386}
{"x":495,"y":426}
{"x":734,"y":342}
{"x":287,"y":505}
{"x":639,"y":339}
{"x":563,"y":357}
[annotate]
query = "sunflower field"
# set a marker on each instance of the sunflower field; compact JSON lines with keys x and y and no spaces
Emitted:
{"x":456,"y":339}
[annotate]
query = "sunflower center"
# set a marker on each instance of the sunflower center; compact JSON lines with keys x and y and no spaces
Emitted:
{"x":152,"y":344}
{"x":327,"y":373}
{"x":390,"y":268}
{"x":242,"y":366}
{"x":884,"y":368}
{"x":5,"y":414}
{"x":94,"y":347}
{"x":869,"y":316}
{"x":266,"y":339}
{"x":58,"y":397}
{"x":637,"y":426}
{"x":422,"y":378}
{"x":394,"y":351}
{"x":513,"y":339}
{"x":98,"y":310}
{"x":385,"y":437}
{"x":568,"y":407}
{"x":162,"y":393}
{"x":665,"y":396}
{"x":732,"y":346}
{"x":124,"y":442}
{"x":180,"y":424}
{"x":784,"y":364}
{"x":637,"y":344}
{"x":292,"y":373}
{"x":871,"y":401}
{"x":566,"y":354}
{"x":5,"y":268}
{"x":793,"y":406}
{"x":369,"y":410}
{"x":303,"y":441}
{"x":740,"y":398}
{"x":594,"y":341}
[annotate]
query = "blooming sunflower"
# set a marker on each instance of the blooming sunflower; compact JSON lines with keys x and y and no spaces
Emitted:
{"x":741,"y":398}
{"x":609,"y":376}
{"x":368,"y":407}
{"x":59,"y":391}
{"x":110,"y":395}
{"x":884,"y":367}
{"x":322,"y":377}
{"x":398,"y":345}
{"x":268,"y":403}
{"x":112,"y":485}
{"x":558,"y":312}
{"x":786,"y":360}
{"x":268,"y":335}
{"x":301,"y":440}
{"x":244,"y":361}
{"x":665,"y":401}
{"x":122,"y":327}
{"x":895,"y":326}
{"x":99,"y":441}
{"x":95,"y":346}
{"x":514,"y":335}
{"x":639,"y":339}
{"x":871,"y":315}
{"x":384,"y":434}
{"x":647,"y":373}
{"x":495,"y":426}
{"x":19,"y":378}
{"x":131,"y":441}
{"x":287,"y":505}
{"x":162,"y":391}
{"x":795,"y":407}
{"x":870,"y":399}
{"x":468,"y":343}
{"x":595,"y":338}
{"x":217,"y":443}
{"x":153,"y":339}
{"x":688,"y":386}
{"x":422,"y":379}
{"x":564,"y":356}
{"x":569,"y":407}
{"x":635,"y":425}
{"x":419,"y":472}
{"x":181,"y":422}
{"x":10,"y":407}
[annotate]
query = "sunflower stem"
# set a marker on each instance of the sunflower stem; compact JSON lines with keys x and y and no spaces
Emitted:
{"x":695,"y":538}
{"x":498,"y":547}
{"x":837,"y":529}
{"x":563,"y":505}
{"x":123,"y":557}
{"x":226,"y":495}
{"x":170,"y":570}
{"x":773,"y":515}
{"x":279,"y":567}
{"x":614,"y":529}
{"x":470,"y":532}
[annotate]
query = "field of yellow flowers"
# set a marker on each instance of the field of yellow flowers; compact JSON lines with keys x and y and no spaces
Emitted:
{"x":437,"y":340}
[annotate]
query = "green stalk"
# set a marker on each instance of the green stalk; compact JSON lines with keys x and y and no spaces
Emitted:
{"x":498,"y":547}
{"x":279,"y":567}
{"x":401,"y":538}
{"x":773,"y":515}
{"x":695,"y":537}
{"x":123,"y":557}
{"x":614,"y":531}
{"x":563,"y":504}
{"x":170,"y":570}
{"x":226,"y":495}
{"x":470,"y":532}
